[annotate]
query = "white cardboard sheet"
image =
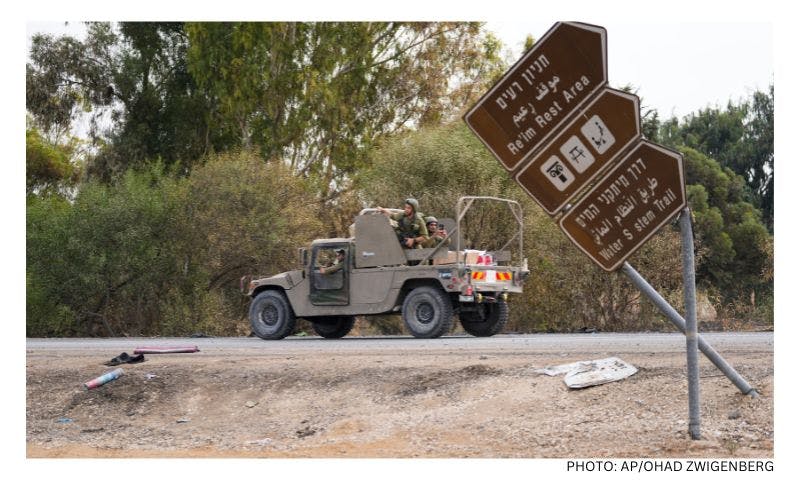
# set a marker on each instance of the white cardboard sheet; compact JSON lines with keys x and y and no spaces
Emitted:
{"x":592,"y":372}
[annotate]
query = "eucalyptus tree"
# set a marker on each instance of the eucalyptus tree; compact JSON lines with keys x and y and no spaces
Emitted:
{"x":320,"y":95}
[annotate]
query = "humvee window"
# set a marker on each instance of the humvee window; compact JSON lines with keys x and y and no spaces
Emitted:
{"x":325,"y":258}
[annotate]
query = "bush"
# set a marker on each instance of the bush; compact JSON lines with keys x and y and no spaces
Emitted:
{"x":239,"y":217}
{"x":161,"y":255}
{"x":109,"y":251}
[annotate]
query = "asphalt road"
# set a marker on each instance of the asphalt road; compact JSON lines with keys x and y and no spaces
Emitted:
{"x":611,"y":343}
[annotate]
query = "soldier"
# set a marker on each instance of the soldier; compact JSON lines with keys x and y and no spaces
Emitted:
{"x":411,"y":229}
{"x":337,"y":264}
{"x":437,"y":235}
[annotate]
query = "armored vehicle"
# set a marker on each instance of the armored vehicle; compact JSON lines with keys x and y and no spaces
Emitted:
{"x":371,"y":274}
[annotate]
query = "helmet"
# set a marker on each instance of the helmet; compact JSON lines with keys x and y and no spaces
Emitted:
{"x":340,"y":251}
{"x":429,"y":220}
{"x":414,"y":204}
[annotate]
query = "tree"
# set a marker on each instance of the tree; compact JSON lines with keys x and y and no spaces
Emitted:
{"x":158,"y":254}
{"x":47,"y":166}
{"x":739,"y":137}
{"x":734,"y":251}
{"x":759,"y":151}
{"x":133,"y":83}
{"x":319,"y":95}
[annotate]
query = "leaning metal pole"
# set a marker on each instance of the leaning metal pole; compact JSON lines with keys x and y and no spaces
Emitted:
{"x":679,"y":322}
{"x":690,"y":303}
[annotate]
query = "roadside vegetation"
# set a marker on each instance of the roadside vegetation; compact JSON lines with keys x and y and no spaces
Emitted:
{"x":215,"y":150}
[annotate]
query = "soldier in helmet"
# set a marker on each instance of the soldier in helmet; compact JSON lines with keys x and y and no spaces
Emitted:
{"x":437,"y":234}
{"x":411,"y":229}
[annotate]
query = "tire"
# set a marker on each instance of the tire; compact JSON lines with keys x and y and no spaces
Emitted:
{"x":271,"y":316}
{"x":494,"y":319}
{"x":333,"y":327}
{"x":427,"y":312}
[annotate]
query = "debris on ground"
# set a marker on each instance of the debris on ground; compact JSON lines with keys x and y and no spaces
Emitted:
{"x":306,"y":431}
{"x":103,"y":379}
{"x":124,"y":358}
{"x":261,"y":443}
{"x":170,"y":349}
{"x":592,"y":372}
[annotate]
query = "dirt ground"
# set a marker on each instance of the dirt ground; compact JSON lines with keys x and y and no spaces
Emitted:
{"x":396,"y":406}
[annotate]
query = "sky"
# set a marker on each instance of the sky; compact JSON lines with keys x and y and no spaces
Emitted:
{"x":676,"y":68}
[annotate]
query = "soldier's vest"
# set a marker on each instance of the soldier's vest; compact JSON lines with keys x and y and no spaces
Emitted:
{"x":410,"y":226}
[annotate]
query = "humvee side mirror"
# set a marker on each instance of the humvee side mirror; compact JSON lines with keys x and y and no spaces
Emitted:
{"x":303,"y":254}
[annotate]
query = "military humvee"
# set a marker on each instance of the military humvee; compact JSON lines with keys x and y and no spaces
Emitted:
{"x":427,"y":286}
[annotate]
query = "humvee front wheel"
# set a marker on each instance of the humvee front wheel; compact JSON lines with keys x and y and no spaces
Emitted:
{"x":271,"y":317}
{"x":427,"y":312}
{"x":333,"y":327}
{"x":486,"y":323}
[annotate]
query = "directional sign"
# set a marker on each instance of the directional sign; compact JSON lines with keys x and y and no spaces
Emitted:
{"x":539,"y":93}
{"x":628,"y":205}
{"x":581,"y":150}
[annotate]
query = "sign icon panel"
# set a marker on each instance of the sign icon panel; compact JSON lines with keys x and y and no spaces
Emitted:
{"x":577,"y":154}
{"x":559,"y":175}
{"x":585,"y":146}
{"x":598,"y":134}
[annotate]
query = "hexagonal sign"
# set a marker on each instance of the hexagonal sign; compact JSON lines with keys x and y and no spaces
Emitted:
{"x":556,"y":78}
{"x":642,"y":193}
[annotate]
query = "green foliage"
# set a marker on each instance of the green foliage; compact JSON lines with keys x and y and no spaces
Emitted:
{"x":109,"y":248}
{"x":739,"y":138}
{"x":339,"y":114}
{"x":47,"y":232}
{"x":47,"y":165}
{"x":735,"y":246}
{"x":153,"y":254}
{"x":437,"y":166}
{"x":320,"y":94}
{"x":136,"y":76}
{"x":316,"y":95}
{"x":757,"y":159}
{"x":241,"y":216}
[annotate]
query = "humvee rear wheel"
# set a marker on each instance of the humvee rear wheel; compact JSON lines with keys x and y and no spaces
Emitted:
{"x":271,"y":317}
{"x":494,"y":318}
{"x":427,"y":312}
{"x":333,"y":327}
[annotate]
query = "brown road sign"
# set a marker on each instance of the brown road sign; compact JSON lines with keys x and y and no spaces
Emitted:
{"x":628,"y":205}
{"x":538,"y":94}
{"x":581,"y":150}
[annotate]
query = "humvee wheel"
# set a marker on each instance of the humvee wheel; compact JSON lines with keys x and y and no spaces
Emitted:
{"x":494,"y":319}
{"x":333,"y":327}
{"x":427,"y":312}
{"x":271,"y":317}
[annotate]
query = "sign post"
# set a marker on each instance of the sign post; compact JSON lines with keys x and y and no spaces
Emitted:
{"x":690,"y":302}
{"x":555,"y":126}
